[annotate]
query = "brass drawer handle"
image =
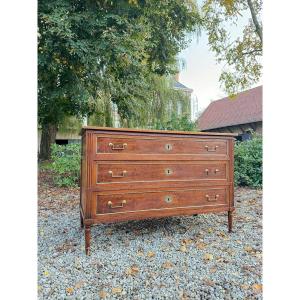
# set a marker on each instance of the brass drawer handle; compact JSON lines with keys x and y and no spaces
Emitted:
{"x":109,"y":203}
{"x":207,"y":171}
{"x":214,"y":149}
{"x":117,"y":147}
{"x":208,"y":198}
{"x":117,"y":176}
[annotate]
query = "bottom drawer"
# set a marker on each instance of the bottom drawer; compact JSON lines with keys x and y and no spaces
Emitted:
{"x":158,"y":200}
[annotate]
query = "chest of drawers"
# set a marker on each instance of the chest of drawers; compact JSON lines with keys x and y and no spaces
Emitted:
{"x":131,"y":174}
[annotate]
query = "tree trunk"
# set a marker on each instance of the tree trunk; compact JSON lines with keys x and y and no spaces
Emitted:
{"x":48,"y":137}
{"x":255,"y":21}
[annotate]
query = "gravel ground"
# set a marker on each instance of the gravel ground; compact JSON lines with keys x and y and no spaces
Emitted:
{"x":170,"y":258}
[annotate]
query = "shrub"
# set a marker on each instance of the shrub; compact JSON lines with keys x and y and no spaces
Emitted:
{"x":248,"y":162}
{"x":66,"y":164}
{"x":182,"y":123}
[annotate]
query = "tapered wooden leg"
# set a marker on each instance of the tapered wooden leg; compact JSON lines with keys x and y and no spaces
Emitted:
{"x":230,"y":221}
{"x":87,"y":232}
{"x":81,"y":220}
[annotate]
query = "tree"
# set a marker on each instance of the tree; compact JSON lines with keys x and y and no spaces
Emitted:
{"x":109,"y":47}
{"x":241,"y":55}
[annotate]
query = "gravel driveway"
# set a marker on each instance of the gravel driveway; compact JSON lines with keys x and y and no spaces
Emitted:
{"x":170,"y":258}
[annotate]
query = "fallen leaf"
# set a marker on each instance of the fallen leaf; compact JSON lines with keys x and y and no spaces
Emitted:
{"x":102,"y":294}
{"x":133,"y":270}
{"x":167,"y":265}
{"x":150,"y":254}
{"x":109,"y":231}
{"x":247,"y":268}
{"x":257,"y":287}
{"x":165,"y":249}
{"x":230,"y":252}
{"x":200,"y":246}
{"x":184,"y":296}
{"x":213,"y":270}
{"x":248,"y":249}
{"x":252,"y":201}
{"x":183,"y":248}
{"x":79,"y":284}
{"x":221,"y":234}
{"x":245,"y":286}
{"x":220,"y":259}
{"x":186,"y":242}
{"x":210,"y":230}
{"x":116,"y":290}
{"x":208,"y":256}
{"x":208,"y":282}
{"x":69,"y":290}
{"x":46,"y":273}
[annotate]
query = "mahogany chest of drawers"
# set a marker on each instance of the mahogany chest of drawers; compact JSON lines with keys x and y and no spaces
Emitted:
{"x":131,"y":174}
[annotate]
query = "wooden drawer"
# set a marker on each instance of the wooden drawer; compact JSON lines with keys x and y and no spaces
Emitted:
{"x":122,"y":172}
{"x":163,"y":145}
{"x":158,"y":200}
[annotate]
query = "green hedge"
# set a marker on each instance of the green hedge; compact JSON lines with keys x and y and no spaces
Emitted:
{"x":66,"y":164}
{"x":248,"y":162}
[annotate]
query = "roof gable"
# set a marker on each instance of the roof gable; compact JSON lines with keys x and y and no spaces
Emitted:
{"x":246,"y":107}
{"x":180,"y":86}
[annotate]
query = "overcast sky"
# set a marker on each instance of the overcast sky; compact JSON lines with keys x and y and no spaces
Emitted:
{"x":202,"y":72}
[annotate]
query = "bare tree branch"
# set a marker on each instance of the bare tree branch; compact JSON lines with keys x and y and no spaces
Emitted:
{"x":255,"y":21}
{"x":251,"y":52}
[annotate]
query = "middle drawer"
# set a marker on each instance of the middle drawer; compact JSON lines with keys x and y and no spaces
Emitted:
{"x":116,"y":172}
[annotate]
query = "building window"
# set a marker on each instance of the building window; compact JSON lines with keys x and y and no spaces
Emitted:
{"x":179,"y":108}
{"x":61,"y":142}
{"x":245,"y":136}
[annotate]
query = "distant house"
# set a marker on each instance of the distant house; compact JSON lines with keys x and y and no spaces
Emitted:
{"x":181,"y":106}
{"x":241,"y":114}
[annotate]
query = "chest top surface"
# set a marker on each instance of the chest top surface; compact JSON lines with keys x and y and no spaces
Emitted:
{"x":134,"y":131}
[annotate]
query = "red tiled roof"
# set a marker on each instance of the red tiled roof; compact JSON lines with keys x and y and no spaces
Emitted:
{"x":246,"y":107}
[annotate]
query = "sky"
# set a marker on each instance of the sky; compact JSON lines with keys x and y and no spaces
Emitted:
{"x":202,"y":72}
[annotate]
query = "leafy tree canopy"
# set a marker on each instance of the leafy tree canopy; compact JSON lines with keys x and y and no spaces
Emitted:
{"x":241,"y":56}
{"x":110,"y":46}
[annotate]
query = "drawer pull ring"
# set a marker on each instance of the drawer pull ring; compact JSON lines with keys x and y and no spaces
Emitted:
{"x":214,"y":149}
{"x":208,"y":198}
{"x":117,"y":176}
{"x":117,"y":147}
{"x":109,"y":203}
{"x":206,"y":171}
{"x":216,"y":171}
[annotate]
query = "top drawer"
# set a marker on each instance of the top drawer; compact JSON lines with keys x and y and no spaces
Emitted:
{"x":108,"y":146}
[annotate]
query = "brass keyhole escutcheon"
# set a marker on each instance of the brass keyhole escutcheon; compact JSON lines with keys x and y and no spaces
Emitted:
{"x":168,"y":199}
{"x":168,"y":147}
{"x":168,"y":171}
